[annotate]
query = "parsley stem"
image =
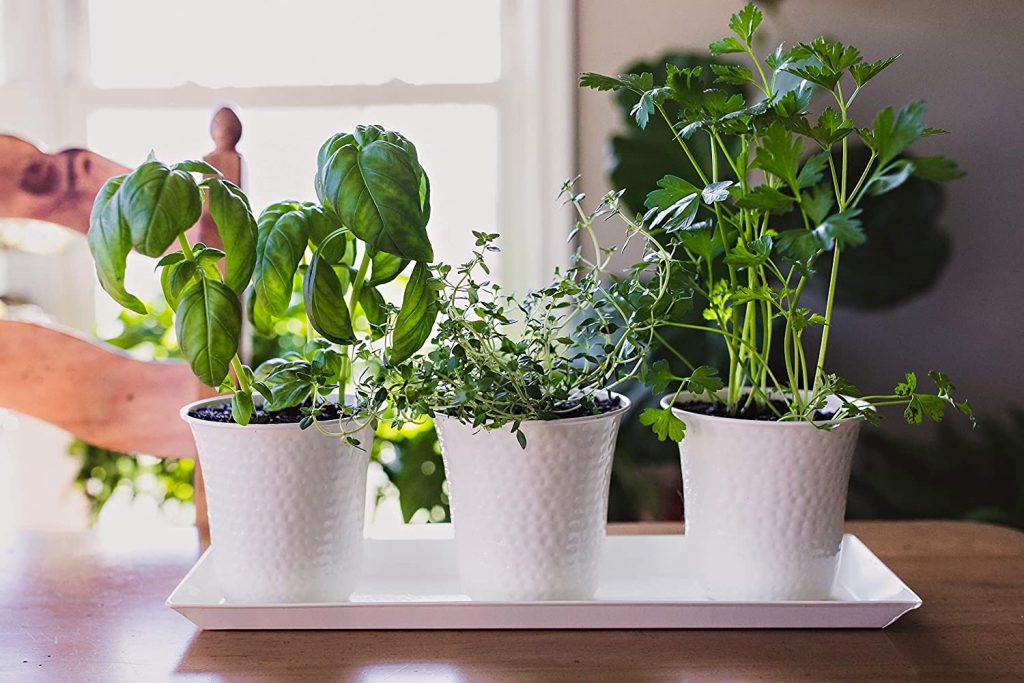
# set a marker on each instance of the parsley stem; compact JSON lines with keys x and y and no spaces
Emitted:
{"x":820,"y":372}
{"x":682,"y":143}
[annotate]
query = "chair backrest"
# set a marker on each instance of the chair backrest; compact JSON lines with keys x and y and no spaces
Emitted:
{"x":93,"y":390}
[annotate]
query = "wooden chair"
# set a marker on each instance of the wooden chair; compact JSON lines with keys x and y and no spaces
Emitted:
{"x":95,"y":391}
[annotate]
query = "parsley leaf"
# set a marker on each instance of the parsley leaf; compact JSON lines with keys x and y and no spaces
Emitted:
{"x":664,"y":423}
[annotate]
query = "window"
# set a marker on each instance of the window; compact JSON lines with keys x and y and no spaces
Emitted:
{"x":483,"y":87}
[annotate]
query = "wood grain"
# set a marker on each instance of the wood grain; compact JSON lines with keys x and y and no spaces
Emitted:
{"x":91,"y":390}
{"x":57,"y":188}
{"x":73,"y":609}
{"x":95,"y":391}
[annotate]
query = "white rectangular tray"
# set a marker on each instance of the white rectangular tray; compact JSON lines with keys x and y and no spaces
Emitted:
{"x":413,"y":584}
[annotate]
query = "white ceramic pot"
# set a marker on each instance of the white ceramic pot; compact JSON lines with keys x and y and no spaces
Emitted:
{"x":764,"y":504}
{"x":286,"y":508}
{"x":530,"y":524}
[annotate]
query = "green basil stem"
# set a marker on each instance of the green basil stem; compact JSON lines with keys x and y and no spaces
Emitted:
{"x":357,"y":289}
{"x":243,"y":382}
{"x":186,"y":248}
{"x":357,"y":284}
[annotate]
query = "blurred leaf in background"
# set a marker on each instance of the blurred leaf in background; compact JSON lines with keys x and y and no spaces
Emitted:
{"x":411,"y":458}
{"x":975,"y":475}
{"x":101,"y":473}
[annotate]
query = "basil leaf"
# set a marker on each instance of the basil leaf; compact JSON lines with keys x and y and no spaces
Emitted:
{"x":208,"y":323}
{"x":334,"y":247}
{"x":375,"y":308}
{"x":195,"y":166}
{"x":386,"y":267}
{"x":242,"y":407}
{"x":110,"y":241}
{"x":158,"y":204}
{"x":230,"y":212}
{"x":178,"y":277}
{"x":281,"y":244}
{"x":322,"y":223}
{"x":325,"y":302}
{"x":376,"y":191}
{"x":289,"y":394}
{"x":416,"y":317}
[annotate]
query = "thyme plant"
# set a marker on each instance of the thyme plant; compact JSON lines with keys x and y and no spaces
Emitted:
{"x":749,"y":238}
{"x":500,"y":360}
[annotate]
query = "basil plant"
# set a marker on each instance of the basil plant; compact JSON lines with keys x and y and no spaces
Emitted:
{"x":369,"y":225}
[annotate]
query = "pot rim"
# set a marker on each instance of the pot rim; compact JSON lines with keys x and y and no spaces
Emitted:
{"x":226,"y":398}
{"x":618,"y":412}
{"x":678,"y":412}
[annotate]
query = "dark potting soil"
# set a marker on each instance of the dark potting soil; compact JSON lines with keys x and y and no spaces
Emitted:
{"x":222,"y":413}
{"x":754,"y":412}
{"x":576,"y":409}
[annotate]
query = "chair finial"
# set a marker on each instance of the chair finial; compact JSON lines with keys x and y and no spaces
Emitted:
{"x":225,"y":129}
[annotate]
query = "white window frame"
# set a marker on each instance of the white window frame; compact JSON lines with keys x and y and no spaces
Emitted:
{"x":48,"y":84}
{"x":47,"y":97}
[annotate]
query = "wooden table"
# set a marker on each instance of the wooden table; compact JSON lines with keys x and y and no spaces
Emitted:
{"x":74,"y":607}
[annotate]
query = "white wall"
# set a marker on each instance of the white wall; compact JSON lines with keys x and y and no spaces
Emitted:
{"x":965,"y":59}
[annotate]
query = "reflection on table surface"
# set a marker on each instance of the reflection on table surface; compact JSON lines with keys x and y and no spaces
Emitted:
{"x":78,"y":608}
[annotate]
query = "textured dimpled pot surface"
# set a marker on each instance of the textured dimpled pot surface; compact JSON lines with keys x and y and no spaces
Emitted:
{"x":764,"y":505}
{"x":286,"y":508}
{"x":530,"y":523}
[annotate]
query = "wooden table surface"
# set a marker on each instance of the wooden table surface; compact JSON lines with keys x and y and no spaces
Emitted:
{"x":82,"y":607}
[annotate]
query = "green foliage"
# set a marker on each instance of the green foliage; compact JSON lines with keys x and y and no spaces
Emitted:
{"x":229,"y":209}
{"x":158,"y":203}
{"x":101,"y":472}
{"x":325,"y":302}
{"x":417,"y":315}
{"x":372,"y":179}
{"x":376,"y":203}
{"x":411,"y":458}
{"x":283,"y":235}
{"x":208,"y":324}
{"x":663,"y":423}
{"x":110,"y":242}
{"x":500,"y":360}
{"x":644,"y":155}
{"x":905,"y":250}
{"x":154,"y":205}
{"x":745,"y":271}
{"x":372,"y":221}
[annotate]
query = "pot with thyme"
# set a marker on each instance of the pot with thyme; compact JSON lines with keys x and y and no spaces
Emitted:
{"x":766,"y":449}
{"x":520,"y":389}
{"x":284,"y":449}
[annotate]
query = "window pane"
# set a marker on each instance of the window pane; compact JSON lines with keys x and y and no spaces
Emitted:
{"x":457,"y":145}
{"x":3,"y":43}
{"x":240,"y":43}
